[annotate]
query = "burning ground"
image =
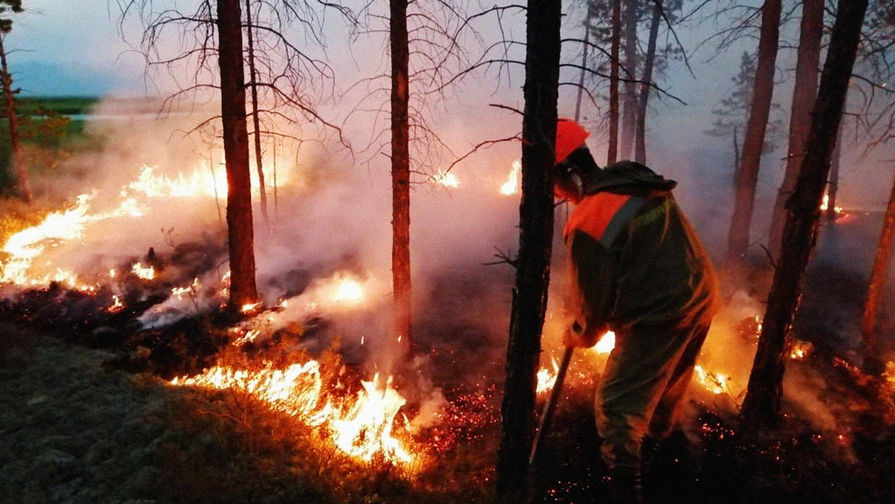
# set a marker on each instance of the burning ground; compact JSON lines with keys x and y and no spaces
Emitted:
{"x":124,"y":379}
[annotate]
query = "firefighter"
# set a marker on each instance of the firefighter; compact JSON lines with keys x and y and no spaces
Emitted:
{"x":638,"y":269}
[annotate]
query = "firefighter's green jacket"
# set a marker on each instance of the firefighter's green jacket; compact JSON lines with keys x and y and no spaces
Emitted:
{"x":639,"y":269}
{"x":635,"y":259}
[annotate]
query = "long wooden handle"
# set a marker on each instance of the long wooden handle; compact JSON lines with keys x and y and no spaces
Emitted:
{"x":546,"y":416}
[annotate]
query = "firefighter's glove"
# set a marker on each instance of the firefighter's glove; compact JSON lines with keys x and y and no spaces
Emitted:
{"x":577,"y":337}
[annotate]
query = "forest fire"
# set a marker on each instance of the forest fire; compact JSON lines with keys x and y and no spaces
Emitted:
{"x":361,"y":426}
{"x":511,"y":186}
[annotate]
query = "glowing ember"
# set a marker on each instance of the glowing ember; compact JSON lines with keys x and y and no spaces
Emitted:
{"x":360,"y":426}
{"x":511,"y":186}
{"x":446,"y":179}
{"x":546,"y":378}
{"x":713,"y":382}
{"x":144,"y":272}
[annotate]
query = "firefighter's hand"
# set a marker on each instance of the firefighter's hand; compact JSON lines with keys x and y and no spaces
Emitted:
{"x":576,"y":337}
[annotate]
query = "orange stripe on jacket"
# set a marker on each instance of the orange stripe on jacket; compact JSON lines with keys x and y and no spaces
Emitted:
{"x":594,"y":213}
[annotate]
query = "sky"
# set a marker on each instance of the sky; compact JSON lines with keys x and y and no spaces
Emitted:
{"x":58,"y":49}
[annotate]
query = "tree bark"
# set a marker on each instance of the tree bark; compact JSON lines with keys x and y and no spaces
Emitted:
{"x":804,"y":93}
{"x":833,"y":188}
{"x":761,"y":406}
{"x":878,"y":280}
{"x":23,"y":180}
{"x":747,"y":176}
{"x":236,"y":151}
{"x":629,"y":116}
{"x":256,"y":122}
{"x":535,"y":240}
{"x":612,"y":155}
{"x":400,"y":172}
{"x":640,"y":140}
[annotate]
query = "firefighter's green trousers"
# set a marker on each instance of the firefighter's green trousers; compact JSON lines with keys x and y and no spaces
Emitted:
{"x":642,"y":389}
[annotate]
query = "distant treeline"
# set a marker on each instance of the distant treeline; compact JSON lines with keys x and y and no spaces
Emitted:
{"x":64,"y":105}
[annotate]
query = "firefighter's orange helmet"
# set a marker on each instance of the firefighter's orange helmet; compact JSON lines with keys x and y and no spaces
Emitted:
{"x":569,"y":136}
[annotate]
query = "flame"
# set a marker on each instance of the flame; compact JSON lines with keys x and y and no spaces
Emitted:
{"x":511,"y":186}
{"x":889,"y":375}
{"x":798,"y":350}
{"x":250,"y":307}
{"x":446,"y":179}
{"x":248,"y":337}
{"x":547,"y":378}
{"x":116,"y":305}
{"x":144,"y":272}
{"x":825,"y":205}
{"x":347,"y":290}
{"x":366,"y":428}
{"x":713,"y":382}
{"x":605,"y":344}
{"x":360,"y":426}
{"x":191,"y":289}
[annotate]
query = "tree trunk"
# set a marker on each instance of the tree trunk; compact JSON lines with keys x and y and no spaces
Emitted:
{"x":762,"y":403}
{"x":612,"y":155}
{"x":256,"y":122}
{"x":833,"y":187}
{"x":747,"y":176}
{"x":629,"y":116}
{"x":23,"y":180}
{"x":804,"y":93}
{"x":878,"y":280}
{"x":236,"y":152}
{"x":736,"y":154}
{"x":400,"y":172}
{"x":583,"y":62}
{"x":535,"y":240}
{"x":640,"y":143}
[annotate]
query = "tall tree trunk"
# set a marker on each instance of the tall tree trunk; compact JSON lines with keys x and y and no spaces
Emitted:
{"x":535,"y":240}
{"x":747,"y":176}
{"x":804,"y":93}
{"x":612,"y":155}
{"x":400,"y":171}
{"x":236,"y":152}
{"x":762,"y":403}
{"x":629,"y":116}
{"x":878,"y":280}
{"x":640,"y":143}
{"x":256,"y":122}
{"x":736,"y":154}
{"x":833,"y":188}
{"x":23,"y":180}
{"x":583,"y":62}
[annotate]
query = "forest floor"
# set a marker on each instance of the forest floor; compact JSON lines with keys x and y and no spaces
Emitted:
{"x":83,"y":421}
